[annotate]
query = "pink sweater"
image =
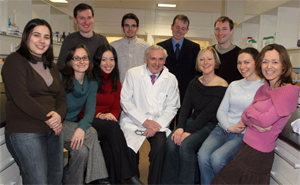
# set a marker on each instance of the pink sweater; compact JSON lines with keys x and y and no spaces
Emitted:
{"x":269,"y":107}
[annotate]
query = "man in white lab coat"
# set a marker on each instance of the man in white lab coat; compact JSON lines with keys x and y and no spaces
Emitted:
{"x":150,"y":100}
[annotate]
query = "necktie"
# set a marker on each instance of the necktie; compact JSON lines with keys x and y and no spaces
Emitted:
{"x":152,"y":78}
{"x":177,"y":51}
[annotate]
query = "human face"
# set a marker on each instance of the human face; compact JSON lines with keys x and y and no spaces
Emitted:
{"x":246,"y":66}
{"x":155,"y":61}
{"x":82,"y":65}
{"x":130,"y":28}
{"x":207,"y":62}
{"x":179,"y":29}
{"x":272,"y":67}
{"x":85,"y":21}
{"x":39,"y":40}
{"x":107,"y":62}
{"x":223,"y":33}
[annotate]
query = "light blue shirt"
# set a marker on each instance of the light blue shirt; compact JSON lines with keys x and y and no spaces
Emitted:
{"x":174,"y":43}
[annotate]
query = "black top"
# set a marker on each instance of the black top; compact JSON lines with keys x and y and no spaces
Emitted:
{"x":204,"y":101}
{"x":184,"y":67}
{"x":228,"y":68}
{"x":74,"y":39}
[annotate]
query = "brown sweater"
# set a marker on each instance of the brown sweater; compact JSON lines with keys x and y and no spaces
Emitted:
{"x":29,"y":99}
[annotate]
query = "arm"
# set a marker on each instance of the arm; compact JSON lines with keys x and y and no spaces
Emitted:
{"x":115,"y":109}
{"x":61,"y":98}
{"x":89,"y":112}
{"x":223,"y":110}
{"x":127,"y":101}
{"x":172,"y":105}
{"x":186,"y":107}
{"x":14,"y":73}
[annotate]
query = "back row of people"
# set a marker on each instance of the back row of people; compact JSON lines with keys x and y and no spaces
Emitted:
{"x":150,"y":99}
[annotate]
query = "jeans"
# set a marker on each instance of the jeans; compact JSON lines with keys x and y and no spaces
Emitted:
{"x":218,"y":149}
{"x":180,"y":162}
{"x":38,"y":155}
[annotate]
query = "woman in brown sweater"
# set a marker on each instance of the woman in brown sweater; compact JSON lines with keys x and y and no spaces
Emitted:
{"x":36,"y":105}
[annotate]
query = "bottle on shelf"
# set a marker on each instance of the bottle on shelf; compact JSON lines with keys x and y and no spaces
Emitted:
{"x":264,"y":42}
{"x":62,"y":38}
{"x":271,"y":40}
{"x":253,"y":43}
{"x":248,"y":43}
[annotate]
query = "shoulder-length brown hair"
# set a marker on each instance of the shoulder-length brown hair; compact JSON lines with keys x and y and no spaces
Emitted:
{"x":68,"y":72}
{"x":287,"y":69}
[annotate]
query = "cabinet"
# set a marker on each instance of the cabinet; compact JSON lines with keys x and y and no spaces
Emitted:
{"x":9,"y":170}
{"x":282,"y":21}
{"x":286,"y":166}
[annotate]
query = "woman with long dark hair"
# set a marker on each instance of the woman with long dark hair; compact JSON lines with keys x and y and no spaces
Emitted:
{"x":106,"y":116}
{"x":36,"y":105}
{"x":86,"y":162}
{"x":266,"y":116}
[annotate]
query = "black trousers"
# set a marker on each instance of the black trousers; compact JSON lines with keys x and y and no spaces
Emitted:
{"x":115,"y":150}
{"x":156,"y":156}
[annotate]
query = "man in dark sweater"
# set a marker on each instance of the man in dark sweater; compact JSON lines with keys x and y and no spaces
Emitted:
{"x":182,"y":54}
{"x":228,"y":53}
{"x":84,"y":18}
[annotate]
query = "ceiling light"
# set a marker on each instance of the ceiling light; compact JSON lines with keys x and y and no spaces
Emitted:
{"x":167,"y":5}
{"x":59,"y":1}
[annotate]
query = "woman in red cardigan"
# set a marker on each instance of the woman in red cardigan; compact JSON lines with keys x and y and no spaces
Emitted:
{"x":107,"y":112}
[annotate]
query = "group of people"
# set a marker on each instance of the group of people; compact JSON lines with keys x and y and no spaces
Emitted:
{"x":101,"y":101}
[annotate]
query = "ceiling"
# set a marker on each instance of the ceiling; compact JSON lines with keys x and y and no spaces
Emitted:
{"x":252,"y":7}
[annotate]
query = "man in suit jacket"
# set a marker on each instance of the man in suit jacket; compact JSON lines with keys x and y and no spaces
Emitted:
{"x":150,"y":100}
{"x":181,"y":63}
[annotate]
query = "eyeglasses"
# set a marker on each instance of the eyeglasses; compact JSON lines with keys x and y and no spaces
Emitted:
{"x":139,"y":132}
{"x":78,"y":59}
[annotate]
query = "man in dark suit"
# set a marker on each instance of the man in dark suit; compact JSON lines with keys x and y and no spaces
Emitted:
{"x":182,"y":54}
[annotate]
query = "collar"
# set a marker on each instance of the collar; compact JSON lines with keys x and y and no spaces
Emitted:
{"x":129,"y":42}
{"x":174,"y":43}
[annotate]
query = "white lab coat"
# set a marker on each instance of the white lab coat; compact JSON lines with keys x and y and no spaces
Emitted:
{"x":141,"y":100}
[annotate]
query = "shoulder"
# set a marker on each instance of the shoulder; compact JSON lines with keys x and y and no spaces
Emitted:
{"x":221,"y":82}
{"x":116,"y":42}
{"x":99,"y":36}
{"x":191,"y":43}
{"x":15,"y":60}
{"x":142,"y":43}
{"x":72,"y":36}
{"x":163,"y":43}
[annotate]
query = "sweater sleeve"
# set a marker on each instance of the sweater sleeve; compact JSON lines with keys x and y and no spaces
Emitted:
{"x":115,"y":109}
{"x":89,"y":112}
{"x":14,"y":73}
{"x":222,"y":113}
{"x":61,"y":98}
{"x":186,"y":107}
{"x":208,"y":113}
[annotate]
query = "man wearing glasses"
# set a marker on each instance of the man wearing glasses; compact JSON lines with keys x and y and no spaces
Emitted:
{"x":130,"y":49}
{"x":84,"y":18}
{"x":150,"y":100}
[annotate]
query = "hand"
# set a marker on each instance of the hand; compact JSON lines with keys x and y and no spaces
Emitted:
{"x":107,"y":116}
{"x":183,"y":136}
{"x":77,"y":138}
{"x":58,"y":129}
{"x":149,"y":132}
{"x":237,"y":129}
{"x":261,"y":129}
{"x":54,"y":120}
{"x":176,"y":137}
{"x":152,"y":124}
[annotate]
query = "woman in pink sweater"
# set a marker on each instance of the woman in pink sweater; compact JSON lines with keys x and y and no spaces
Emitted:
{"x":265,"y":118}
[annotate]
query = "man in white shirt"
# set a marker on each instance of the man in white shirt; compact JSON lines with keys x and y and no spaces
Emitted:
{"x":130,"y":49}
{"x":150,"y":100}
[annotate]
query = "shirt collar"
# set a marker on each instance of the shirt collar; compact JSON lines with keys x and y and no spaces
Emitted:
{"x":174,"y":43}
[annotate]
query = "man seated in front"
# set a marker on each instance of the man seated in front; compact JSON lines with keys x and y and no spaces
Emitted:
{"x":150,"y":100}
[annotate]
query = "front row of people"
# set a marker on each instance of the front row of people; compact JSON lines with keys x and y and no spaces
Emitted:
{"x":78,"y":107}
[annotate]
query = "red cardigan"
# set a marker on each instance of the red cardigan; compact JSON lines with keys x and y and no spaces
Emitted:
{"x":108,"y":101}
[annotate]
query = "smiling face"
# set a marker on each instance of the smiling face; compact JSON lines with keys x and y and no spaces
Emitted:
{"x":155,"y":61}
{"x":85,"y":21}
{"x":223,"y":33}
{"x":246,"y":66}
{"x":80,"y":61}
{"x":39,"y":40}
{"x":179,"y":29}
{"x":272,"y":67}
{"x":107,"y":62}
{"x":130,"y":28}
{"x":207,"y":62}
